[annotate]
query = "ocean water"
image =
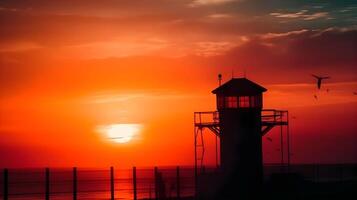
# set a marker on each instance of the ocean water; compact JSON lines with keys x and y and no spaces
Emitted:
{"x":26,"y":184}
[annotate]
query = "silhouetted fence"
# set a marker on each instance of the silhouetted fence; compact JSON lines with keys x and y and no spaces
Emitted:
{"x":142,"y":183}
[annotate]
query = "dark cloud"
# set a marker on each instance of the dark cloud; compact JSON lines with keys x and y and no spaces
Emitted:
{"x":96,"y":7}
{"x":59,"y":23}
{"x":331,"y":47}
{"x":328,"y":51}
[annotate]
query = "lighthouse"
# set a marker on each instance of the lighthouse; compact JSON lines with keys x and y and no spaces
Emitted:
{"x":239,"y":104}
{"x":239,"y":124}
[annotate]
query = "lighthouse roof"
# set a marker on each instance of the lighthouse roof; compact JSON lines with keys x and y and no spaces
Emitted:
{"x":239,"y":87}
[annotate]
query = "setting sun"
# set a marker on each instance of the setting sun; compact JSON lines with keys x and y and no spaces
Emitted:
{"x":121,"y":133}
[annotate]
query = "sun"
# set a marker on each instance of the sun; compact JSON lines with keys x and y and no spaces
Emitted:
{"x":122,"y":133}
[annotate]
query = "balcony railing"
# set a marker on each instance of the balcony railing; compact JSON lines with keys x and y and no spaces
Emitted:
{"x":270,"y":117}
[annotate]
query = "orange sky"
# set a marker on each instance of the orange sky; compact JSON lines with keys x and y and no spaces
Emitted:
{"x":67,"y":69}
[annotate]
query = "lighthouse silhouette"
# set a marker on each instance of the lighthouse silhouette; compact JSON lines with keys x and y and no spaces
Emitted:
{"x":240,"y":122}
{"x":239,"y":104}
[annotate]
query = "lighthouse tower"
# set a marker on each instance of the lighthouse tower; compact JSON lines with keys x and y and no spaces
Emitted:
{"x":239,"y":125}
{"x":239,"y":104}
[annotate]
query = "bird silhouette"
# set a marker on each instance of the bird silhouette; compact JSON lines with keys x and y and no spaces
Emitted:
{"x":319,"y":80}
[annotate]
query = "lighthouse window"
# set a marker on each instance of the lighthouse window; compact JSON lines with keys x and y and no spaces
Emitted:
{"x":244,"y":102}
{"x":231,"y":102}
{"x":220,"y":102}
{"x":255,"y":101}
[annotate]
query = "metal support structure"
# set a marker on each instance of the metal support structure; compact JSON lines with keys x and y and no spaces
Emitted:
{"x":270,"y":118}
{"x":202,"y":120}
{"x":266,"y":129}
{"x":195,"y":170}
{"x":112,"y":196}
{"x":178,"y":187}
{"x":201,"y":144}
{"x":74,"y":183}
{"x":200,"y":147}
{"x":134,"y":184}
{"x":281,"y":146}
{"x":47,"y":194}
{"x":288,"y":141}
{"x":6,"y":185}
{"x":217,"y":165}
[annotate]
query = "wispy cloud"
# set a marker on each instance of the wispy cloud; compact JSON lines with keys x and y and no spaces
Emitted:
{"x":119,"y":97}
{"x":286,"y":34}
{"x":302,"y":14}
{"x":8,"y":9}
{"x":18,"y":46}
{"x":219,"y":16}
{"x":116,"y":48}
{"x":213,"y":48}
{"x":209,"y":2}
{"x":317,"y":15}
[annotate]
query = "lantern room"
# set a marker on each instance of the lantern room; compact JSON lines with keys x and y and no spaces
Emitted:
{"x":239,"y":93}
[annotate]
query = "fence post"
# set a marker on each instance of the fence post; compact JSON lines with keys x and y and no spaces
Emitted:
{"x":112,"y":183}
{"x":134,"y":183}
{"x":6,"y":182}
{"x":47,"y":183}
{"x":74,"y":183}
{"x":156,"y":183}
{"x":178,"y":182}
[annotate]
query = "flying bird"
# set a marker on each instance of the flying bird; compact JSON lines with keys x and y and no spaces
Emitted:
{"x":319,"y":79}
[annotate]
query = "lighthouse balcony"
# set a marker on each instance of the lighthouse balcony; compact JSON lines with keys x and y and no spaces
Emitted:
{"x":272,"y":118}
{"x":269,"y":119}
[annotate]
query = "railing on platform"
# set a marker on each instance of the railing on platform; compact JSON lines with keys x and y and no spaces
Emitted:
{"x":277,"y":117}
{"x":268,"y":116}
{"x":208,"y":118}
